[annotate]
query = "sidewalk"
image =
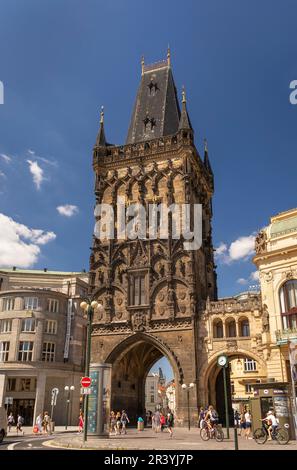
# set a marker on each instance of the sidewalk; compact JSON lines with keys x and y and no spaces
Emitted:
{"x":28,"y":431}
{"x":148,"y":440}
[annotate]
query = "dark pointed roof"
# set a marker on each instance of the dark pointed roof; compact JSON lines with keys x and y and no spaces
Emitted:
{"x":206,"y":158}
{"x":101,"y":141}
{"x":184,"y":122}
{"x":156,"y":111}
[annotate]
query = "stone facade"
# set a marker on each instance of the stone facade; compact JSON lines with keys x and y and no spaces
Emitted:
{"x":43,"y":330}
{"x":176,"y":283}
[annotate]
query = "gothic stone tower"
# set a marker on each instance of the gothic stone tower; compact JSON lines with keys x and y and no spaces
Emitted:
{"x":152,"y":291}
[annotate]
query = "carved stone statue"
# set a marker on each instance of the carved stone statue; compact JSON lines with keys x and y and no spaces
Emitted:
{"x":260,"y":242}
{"x":265,"y":319}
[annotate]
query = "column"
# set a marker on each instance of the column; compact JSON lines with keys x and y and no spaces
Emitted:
{"x":99,"y":400}
{"x":38,"y":341}
{"x":40,"y":395}
{"x":2,"y":388}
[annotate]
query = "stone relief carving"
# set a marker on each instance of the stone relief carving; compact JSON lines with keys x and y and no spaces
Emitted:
{"x":265,"y":319}
{"x":260,"y":242}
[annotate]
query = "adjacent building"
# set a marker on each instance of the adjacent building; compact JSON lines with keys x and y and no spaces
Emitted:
{"x":42,"y":335}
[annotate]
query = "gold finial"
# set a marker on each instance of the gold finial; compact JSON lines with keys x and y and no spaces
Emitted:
{"x":142,"y":65}
{"x":168,"y":56}
{"x":184,"y":95}
{"x":102,"y":115}
{"x":205,"y":145}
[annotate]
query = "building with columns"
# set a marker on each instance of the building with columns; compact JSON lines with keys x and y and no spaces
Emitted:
{"x":42,"y":337}
{"x":276,"y":259}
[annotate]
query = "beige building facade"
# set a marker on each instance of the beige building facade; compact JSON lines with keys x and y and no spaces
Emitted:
{"x":276,"y":259}
{"x":42,"y":337}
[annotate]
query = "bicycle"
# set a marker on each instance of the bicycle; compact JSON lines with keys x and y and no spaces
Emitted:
{"x":215,"y":432}
{"x":280,"y":435}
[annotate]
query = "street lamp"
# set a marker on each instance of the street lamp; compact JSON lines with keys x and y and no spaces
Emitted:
{"x":188,"y":387}
{"x":88,"y":305}
{"x":68,"y":390}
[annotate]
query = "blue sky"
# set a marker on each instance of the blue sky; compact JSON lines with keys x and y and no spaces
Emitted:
{"x":61,"y":60}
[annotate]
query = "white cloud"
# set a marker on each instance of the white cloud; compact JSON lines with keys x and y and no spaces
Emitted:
{"x":37,"y":173}
{"x":19,"y":245}
{"x":42,"y":159}
{"x":2,"y":174}
{"x":242,"y":281}
{"x":5,"y":157}
{"x":255,"y":276}
{"x":67,"y":210}
{"x":240,"y":249}
{"x":243,"y":247}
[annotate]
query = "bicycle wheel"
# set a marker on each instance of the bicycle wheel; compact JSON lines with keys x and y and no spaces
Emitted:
{"x":219,"y":435}
{"x":204,"y":434}
{"x":282,"y":436}
{"x":260,"y":436}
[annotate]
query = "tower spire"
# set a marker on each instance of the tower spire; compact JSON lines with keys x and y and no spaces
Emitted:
{"x":142,"y":65}
{"x":101,"y":141}
{"x":184,"y":122}
{"x":206,"y":158}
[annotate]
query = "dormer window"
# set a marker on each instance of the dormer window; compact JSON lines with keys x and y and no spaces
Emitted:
{"x":153,"y":87}
{"x":149,"y":123}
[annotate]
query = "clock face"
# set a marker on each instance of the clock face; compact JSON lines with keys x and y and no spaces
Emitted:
{"x":222,"y":360}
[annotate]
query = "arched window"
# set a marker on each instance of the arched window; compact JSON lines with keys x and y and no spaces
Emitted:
{"x":218,"y":329}
{"x":288,"y":303}
{"x":231,"y":328}
{"x":244,"y":327}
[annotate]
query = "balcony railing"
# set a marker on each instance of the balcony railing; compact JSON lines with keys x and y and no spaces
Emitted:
{"x":283,"y":336}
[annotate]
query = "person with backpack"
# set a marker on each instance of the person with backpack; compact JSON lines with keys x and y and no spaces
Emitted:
{"x":10,"y":422}
{"x":124,"y":421}
{"x":211,"y":417}
{"x":19,"y":426}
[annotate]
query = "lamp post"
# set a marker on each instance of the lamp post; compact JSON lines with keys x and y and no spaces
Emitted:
{"x":187,"y":388}
{"x":68,"y":390}
{"x":88,"y":305}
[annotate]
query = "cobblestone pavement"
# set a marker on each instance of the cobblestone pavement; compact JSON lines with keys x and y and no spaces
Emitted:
{"x":183,"y":439}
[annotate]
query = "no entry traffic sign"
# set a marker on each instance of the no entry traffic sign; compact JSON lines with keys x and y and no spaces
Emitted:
{"x":86,"y":382}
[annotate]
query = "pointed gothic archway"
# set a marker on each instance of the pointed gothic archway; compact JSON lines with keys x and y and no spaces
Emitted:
{"x":131,"y":361}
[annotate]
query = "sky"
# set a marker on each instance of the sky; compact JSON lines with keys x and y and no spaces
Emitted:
{"x":60,"y":60}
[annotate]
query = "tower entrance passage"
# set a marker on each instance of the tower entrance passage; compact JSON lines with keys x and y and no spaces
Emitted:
{"x":131,"y":362}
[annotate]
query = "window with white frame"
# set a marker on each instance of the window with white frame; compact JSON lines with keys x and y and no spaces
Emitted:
{"x":31,"y":303}
{"x":53,"y":305}
{"x":25,"y":351}
{"x":5,"y":326}
{"x":50,"y":327}
{"x":48,"y":352}
{"x":4,"y":350}
{"x":28,"y":325}
{"x":249,"y":365}
{"x":8,"y":303}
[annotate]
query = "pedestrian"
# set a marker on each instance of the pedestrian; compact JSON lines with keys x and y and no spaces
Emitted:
{"x":242,"y":423}
{"x":46,"y":422}
{"x":10,"y":421}
{"x":157,"y":423}
{"x":201,"y":418}
{"x":162,"y":421}
{"x":248,"y":424}
{"x":118,"y":423}
{"x":19,"y":425}
{"x":113,"y":423}
{"x":39,"y":423}
{"x":80,"y":422}
{"x":170,"y":423}
{"x":124,"y":421}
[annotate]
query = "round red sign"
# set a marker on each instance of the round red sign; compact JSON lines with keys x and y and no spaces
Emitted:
{"x":86,"y":382}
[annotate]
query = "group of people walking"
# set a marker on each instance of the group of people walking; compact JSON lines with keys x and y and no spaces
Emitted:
{"x":19,"y":423}
{"x":162,"y":420}
{"x":42,"y":424}
{"x":118,"y":422}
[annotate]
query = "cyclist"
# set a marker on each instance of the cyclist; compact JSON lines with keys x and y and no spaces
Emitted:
{"x":211,"y":417}
{"x":272,"y":423}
